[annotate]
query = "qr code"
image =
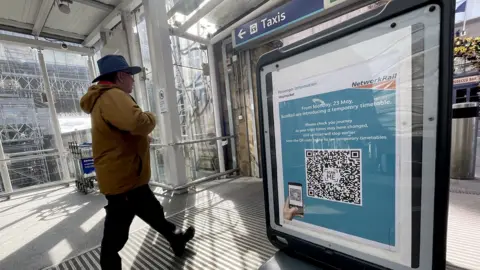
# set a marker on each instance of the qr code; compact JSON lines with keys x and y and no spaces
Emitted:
{"x":334,"y":175}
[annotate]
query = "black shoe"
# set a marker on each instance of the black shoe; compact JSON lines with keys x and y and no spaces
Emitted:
{"x":189,"y":233}
{"x":179,"y":244}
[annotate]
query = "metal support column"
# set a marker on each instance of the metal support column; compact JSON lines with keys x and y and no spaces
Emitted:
{"x":231,"y":122}
{"x":103,"y":38}
{"x":255,"y":170}
{"x":216,"y":107}
{"x":135,"y":57}
{"x":140,"y":87}
{"x":91,"y":68}
{"x":54,"y":118}
{"x":7,"y":183}
{"x":191,"y":124}
{"x":165,"y":90}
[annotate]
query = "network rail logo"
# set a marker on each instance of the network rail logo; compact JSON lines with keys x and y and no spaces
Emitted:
{"x":387,"y":82}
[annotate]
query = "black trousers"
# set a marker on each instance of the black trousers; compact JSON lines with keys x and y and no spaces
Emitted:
{"x":121,"y":210}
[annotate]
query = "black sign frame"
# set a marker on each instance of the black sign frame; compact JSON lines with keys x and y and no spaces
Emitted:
{"x":328,"y":258}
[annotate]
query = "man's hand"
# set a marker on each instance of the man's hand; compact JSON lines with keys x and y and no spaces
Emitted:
{"x":289,"y":213}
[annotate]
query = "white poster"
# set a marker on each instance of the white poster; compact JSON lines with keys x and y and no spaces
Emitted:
{"x":343,"y":146}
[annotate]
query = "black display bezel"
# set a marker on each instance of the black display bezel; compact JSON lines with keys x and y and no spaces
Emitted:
{"x":329,"y":257}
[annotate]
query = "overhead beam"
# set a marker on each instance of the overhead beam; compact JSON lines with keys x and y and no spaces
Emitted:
{"x":112,"y":19}
{"x":28,"y":28}
{"x":42,"y":35}
{"x":170,"y":12}
{"x":199,"y":14}
{"x":96,"y":4}
{"x":174,"y":9}
{"x":44,"y":44}
{"x":42,"y":16}
{"x":177,"y":33}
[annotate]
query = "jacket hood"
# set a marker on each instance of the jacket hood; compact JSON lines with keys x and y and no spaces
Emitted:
{"x":94,"y":92}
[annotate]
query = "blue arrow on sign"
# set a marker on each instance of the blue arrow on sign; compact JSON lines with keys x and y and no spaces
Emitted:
{"x":277,"y":19}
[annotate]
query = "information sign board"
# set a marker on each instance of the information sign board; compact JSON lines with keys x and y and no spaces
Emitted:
{"x":162,"y":101}
{"x":277,"y":19}
{"x":348,"y":141}
{"x":466,"y":80}
{"x":87,"y":165}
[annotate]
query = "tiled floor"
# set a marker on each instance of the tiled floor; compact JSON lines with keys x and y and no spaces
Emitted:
{"x":230,"y":235}
{"x":463,"y":236}
{"x":46,"y":228}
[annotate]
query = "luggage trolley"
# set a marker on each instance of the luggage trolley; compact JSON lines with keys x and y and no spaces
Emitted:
{"x":84,"y":169}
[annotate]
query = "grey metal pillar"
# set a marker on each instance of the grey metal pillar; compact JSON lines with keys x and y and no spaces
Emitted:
{"x":135,"y":57}
{"x":91,"y":67}
{"x":7,"y":183}
{"x":216,"y":107}
{"x":165,"y":91}
{"x":140,"y":87}
{"x":54,"y":118}
{"x":255,"y":170}
{"x":464,"y":140}
{"x":231,"y":122}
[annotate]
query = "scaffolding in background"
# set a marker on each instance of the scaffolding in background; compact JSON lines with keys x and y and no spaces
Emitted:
{"x":195,"y":106}
{"x":25,"y":124}
{"x":194,"y":101}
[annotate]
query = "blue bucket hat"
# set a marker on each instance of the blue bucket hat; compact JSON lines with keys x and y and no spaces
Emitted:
{"x":114,"y":63}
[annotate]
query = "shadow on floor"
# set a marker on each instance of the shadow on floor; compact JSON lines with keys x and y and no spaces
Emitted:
{"x":73,"y":210}
{"x":67,"y":239}
{"x":25,"y":198}
{"x":230,"y":234}
{"x":454,"y":267}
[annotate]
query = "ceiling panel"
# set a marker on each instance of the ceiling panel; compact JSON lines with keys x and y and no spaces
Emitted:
{"x":230,"y":10}
{"x":186,"y":7}
{"x":19,"y":10}
{"x":81,"y":20}
{"x":110,"y":2}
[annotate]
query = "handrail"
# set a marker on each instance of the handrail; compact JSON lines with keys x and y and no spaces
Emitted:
{"x":30,"y":152}
{"x":164,"y":186}
{"x":36,"y":187}
{"x":155,"y":145}
{"x":193,"y":183}
{"x":23,"y":158}
{"x":203,"y":140}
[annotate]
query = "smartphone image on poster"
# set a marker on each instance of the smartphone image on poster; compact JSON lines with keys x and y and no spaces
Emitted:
{"x":295,"y":194}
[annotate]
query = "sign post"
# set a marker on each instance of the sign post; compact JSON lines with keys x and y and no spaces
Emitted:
{"x":276,"y":20}
{"x":291,"y":15}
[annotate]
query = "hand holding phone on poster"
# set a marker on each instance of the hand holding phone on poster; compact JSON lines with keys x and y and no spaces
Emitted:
{"x":294,"y":206}
{"x":290,"y":212}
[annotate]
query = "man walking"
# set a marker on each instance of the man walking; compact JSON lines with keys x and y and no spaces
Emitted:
{"x":120,"y":142}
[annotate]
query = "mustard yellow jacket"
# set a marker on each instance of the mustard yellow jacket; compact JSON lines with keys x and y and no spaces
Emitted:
{"x":119,"y":138}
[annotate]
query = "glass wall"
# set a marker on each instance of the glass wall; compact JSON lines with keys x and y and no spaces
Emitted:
{"x":194,"y":97}
{"x":26,"y":131}
{"x":157,"y":153}
{"x":69,"y":80}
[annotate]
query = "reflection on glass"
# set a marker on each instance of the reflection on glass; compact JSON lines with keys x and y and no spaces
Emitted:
{"x":25,"y":123}
{"x":194,"y":103}
{"x":201,"y":159}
